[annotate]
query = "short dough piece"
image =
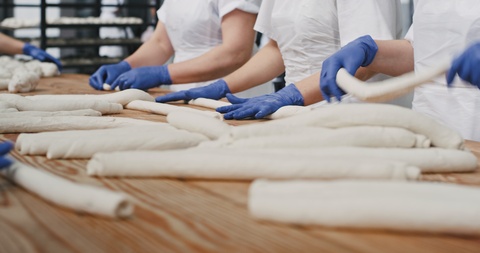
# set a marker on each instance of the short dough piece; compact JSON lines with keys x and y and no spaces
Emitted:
{"x":62,"y":192}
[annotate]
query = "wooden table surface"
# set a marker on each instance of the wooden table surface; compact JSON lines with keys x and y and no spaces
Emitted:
{"x":183,"y":215}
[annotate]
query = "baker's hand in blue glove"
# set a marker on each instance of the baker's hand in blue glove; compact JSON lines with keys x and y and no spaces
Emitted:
{"x":143,"y":78}
{"x":467,"y":66}
{"x":41,"y":55}
{"x":215,"y":90}
{"x":4,"y":149}
{"x":108,"y":74}
{"x":261,"y":106}
{"x":356,"y":54}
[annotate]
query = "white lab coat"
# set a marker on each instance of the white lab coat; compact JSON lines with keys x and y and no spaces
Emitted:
{"x":438,"y":34}
{"x":309,"y":31}
{"x":194,"y":27}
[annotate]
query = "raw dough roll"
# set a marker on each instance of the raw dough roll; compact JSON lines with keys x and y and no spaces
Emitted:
{"x":203,"y":163}
{"x":431,"y":160}
{"x":387,"y":89}
{"x":85,"y":112}
{"x":165,"y":109}
{"x":362,"y":136}
{"x":84,"y":144}
{"x":344,"y":115}
{"x":62,"y":123}
{"x":62,"y":192}
{"x":122,"y":97}
{"x":198,"y":123}
{"x":400,"y":206}
{"x":24,"y":104}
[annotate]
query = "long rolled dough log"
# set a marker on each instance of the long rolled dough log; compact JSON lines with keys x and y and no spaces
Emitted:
{"x":198,"y":123}
{"x":361,"y":136}
{"x":62,"y":123}
{"x":400,"y":206}
{"x":165,"y":109}
{"x":122,"y":97}
{"x":431,"y":160}
{"x":62,"y":192}
{"x":387,"y":89}
{"x":85,"y":112}
{"x":202,"y":163}
{"x":84,"y":144}
{"x":344,"y":115}
{"x":283,"y":112}
{"x":24,"y":104}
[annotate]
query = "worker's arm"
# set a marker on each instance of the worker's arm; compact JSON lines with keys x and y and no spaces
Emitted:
{"x":238,"y":36}
{"x":155,"y":51}
{"x":261,"y":68}
{"x":9,"y":45}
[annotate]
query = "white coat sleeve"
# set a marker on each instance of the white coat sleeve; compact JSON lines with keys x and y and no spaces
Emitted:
{"x":227,"y":6}
{"x":162,"y":12}
{"x":380,"y":19}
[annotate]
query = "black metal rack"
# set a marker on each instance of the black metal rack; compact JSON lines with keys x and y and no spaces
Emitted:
{"x":93,"y":61}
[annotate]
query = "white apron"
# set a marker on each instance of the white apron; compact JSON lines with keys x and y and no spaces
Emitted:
{"x":439,"y":33}
{"x":194,"y":27}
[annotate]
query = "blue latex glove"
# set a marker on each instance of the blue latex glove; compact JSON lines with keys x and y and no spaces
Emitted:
{"x":466,"y":66}
{"x":215,"y":90}
{"x":40,"y":55}
{"x":356,"y":54}
{"x":143,"y":78}
{"x":4,"y":149}
{"x":107,"y":74}
{"x":261,"y":106}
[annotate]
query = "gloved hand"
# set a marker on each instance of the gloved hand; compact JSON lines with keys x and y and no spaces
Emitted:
{"x":107,"y":74}
{"x":466,"y":66}
{"x":40,"y":55}
{"x":143,"y":78}
{"x":261,"y":106}
{"x":356,"y":54}
{"x":4,"y":149}
{"x":215,"y":90}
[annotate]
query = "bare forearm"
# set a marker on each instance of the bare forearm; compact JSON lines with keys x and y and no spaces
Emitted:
{"x":261,"y":68}
{"x":156,"y":51}
{"x":394,"y":58}
{"x":10,"y":45}
{"x":236,"y":50}
{"x":214,"y":64}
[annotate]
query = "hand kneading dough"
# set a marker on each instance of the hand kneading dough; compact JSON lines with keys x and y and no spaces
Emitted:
{"x":62,"y":123}
{"x":62,"y":192}
{"x":122,"y":97}
{"x":401,"y":206}
{"x":198,"y":123}
{"x":344,"y":115}
{"x":25,"y":104}
{"x":227,"y":164}
{"x":283,"y":112}
{"x":84,"y":144}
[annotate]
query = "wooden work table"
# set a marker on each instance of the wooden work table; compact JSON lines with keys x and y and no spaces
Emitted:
{"x":183,"y":215}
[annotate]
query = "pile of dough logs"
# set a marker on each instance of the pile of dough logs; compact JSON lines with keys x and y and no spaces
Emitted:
{"x":18,"y":76}
{"x":74,"y":129}
{"x":348,"y":165}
